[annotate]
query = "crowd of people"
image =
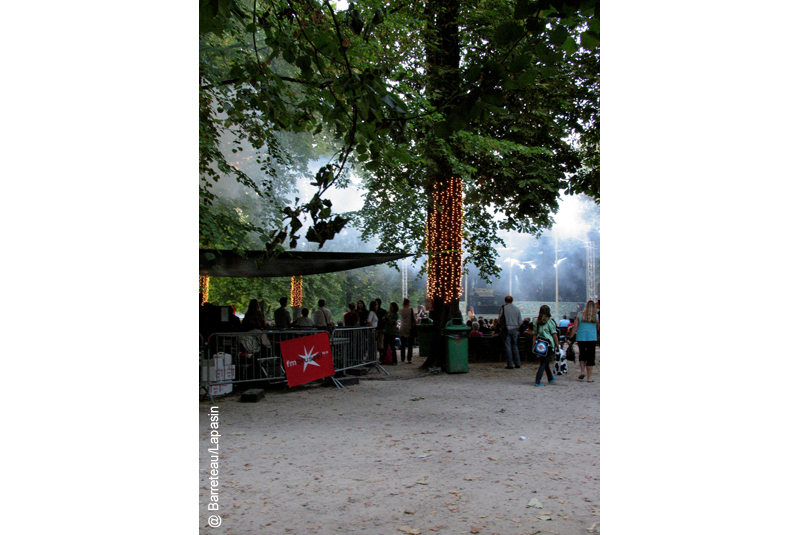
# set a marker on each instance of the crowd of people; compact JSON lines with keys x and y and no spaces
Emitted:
{"x":396,"y":328}
{"x":577,"y":336}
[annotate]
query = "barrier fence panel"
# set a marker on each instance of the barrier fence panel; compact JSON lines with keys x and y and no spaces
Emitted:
{"x":234,"y":358}
{"x":354,"y":347}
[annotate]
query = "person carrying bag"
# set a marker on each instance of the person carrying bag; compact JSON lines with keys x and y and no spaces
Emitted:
{"x":545,"y":334}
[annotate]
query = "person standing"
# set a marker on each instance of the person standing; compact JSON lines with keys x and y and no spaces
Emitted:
{"x":390,"y":330}
{"x":372,"y":318}
{"x":545,"y":327}
{"x":253,"y":318}
{"x":282,"y":317}
{"x":303,"y":320}
{"x":406,"y":323}
{"x":372,"y":321}
{"x":363,"y":313}
{"x":351,"y":318}
{"x":381,"y":313}
{"x":597,"y":306}
{"x":587,"y":339}
{"x":513,"y":320}
{"x":322,"y":316}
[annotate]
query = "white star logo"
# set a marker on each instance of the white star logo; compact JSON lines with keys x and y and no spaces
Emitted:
{"x":308,"y":358}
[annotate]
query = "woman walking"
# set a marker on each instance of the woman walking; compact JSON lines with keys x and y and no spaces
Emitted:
{"x":587,"y":340}
{"x":545,"y":327}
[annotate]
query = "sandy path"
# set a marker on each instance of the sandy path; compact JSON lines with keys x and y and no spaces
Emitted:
{"x":425,"y":454}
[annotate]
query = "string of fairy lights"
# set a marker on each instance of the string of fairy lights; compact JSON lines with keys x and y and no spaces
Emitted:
{"x":204,"y":287}
{"x":297,"y":291}
{"x":445,"y":233}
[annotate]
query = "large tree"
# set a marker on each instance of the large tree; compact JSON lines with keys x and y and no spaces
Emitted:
{"x":466,"y":117}
{"x":513,"y":119}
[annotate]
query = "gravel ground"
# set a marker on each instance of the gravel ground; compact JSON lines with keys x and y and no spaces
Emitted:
{"x":409,"y":452}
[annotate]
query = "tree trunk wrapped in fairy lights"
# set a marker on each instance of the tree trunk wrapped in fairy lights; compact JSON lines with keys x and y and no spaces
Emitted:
{"x":297,"y":292}
{"x":204,"y":288}
{"x":444,"y":238}
{"x":445,"y":232}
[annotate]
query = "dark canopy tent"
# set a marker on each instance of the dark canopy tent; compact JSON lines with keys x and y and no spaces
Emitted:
{"x":288,"y":264}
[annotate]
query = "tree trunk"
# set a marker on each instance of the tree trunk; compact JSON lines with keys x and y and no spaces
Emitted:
{"x":445,"y":227}
{"x":445,"y":208}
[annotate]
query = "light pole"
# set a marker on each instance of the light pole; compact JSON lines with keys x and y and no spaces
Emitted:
{"x":590,"y":268}
{"x":511,"y":262}
{"x":521,"y":265}
{"x":558,"y":261}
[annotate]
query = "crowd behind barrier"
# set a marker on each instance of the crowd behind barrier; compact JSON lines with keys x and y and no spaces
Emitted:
{"x":234,"y":351}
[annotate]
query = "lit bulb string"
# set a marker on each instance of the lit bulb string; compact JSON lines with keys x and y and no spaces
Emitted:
{"x":204,"y":287}
{"x":297,"y":291}
{"x":443,"y":241}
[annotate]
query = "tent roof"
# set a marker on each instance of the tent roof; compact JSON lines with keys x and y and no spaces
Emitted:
{"x":288,"y":264}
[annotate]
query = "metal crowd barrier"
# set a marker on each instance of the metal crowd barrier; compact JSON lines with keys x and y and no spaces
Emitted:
{"x":354,"y":347}
{"x":227,"y":359}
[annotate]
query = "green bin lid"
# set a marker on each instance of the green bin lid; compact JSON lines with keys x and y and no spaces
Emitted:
{"x":456,"y":324}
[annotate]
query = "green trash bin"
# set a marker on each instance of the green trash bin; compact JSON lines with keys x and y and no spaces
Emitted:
{"x":425,"y":336}
{"x":457,"y":338}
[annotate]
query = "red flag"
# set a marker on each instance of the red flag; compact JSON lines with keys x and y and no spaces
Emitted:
{"x":307,"y":359}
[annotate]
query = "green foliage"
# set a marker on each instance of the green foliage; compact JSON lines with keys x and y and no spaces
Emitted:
{"x":335,"y":288}
{"x":517,"y":119}
{"x":268,"y":68}
{"x":503,"y":93}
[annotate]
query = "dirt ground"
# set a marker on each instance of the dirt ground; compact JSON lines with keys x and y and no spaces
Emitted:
{"x":408,"y":452}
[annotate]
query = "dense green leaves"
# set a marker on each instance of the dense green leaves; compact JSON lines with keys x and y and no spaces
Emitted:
{"x":502,"y":93}
{"x":518,"y":121}
{"x":264,"y":70}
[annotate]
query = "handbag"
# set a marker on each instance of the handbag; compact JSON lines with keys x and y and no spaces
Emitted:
{"x":541,"y":346}
{"x":571,"y":352}
{"x":502,"y":328}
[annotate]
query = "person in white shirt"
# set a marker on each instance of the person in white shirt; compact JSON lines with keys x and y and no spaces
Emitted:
{"x":372,"y":318}
{"x":322,"y":316}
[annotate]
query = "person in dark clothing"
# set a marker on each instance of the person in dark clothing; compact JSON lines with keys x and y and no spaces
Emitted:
{"x":351,"y":318}
{"x":283,"y":319}
{"x":253,"y":318}
{"x":363,"y":313}
{"x":381,"y":313}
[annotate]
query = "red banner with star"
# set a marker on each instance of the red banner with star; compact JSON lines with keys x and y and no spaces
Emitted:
{"x":307,"y":359}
